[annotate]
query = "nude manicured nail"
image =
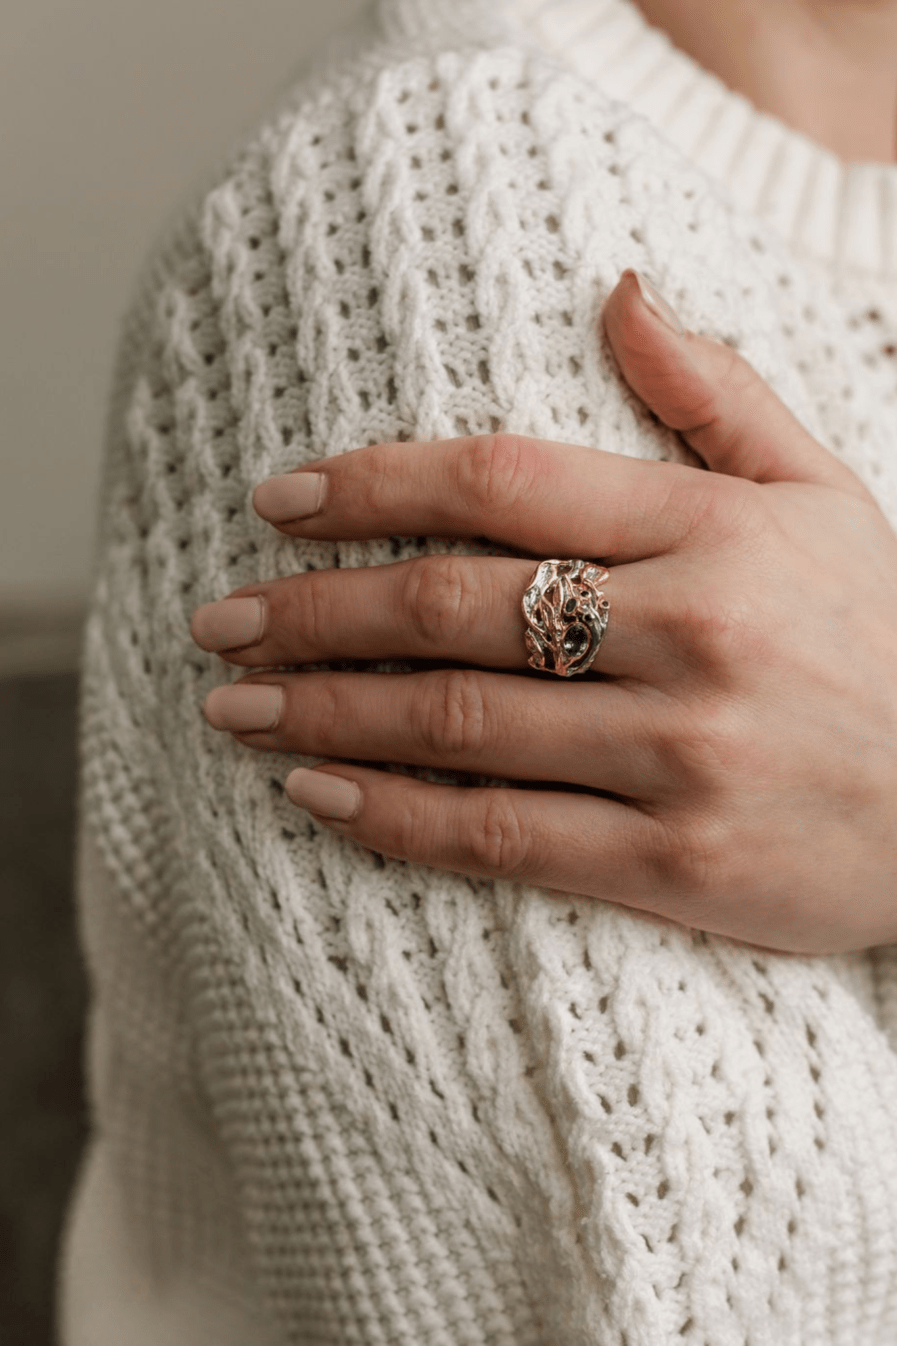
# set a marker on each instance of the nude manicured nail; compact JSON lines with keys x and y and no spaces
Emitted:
{"x":329,"y":796}
{"x":656,"y":303}
{"x":230,"y":624}
{"x":298,"y":495}
{"x":242,"y":709}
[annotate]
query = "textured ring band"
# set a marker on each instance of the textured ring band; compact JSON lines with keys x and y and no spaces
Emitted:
{"x":566,"y":616}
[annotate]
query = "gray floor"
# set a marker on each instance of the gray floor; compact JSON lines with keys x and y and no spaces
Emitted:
{"x":42,"y":997}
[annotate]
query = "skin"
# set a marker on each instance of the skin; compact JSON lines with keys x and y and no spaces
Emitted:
{"x":827,"y":68}
{"x":743,"y":731}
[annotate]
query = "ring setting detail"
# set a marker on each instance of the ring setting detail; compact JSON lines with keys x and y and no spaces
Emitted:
{"x":566,"y":615}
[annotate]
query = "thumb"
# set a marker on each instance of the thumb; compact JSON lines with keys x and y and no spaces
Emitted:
{"x":717,"y":401}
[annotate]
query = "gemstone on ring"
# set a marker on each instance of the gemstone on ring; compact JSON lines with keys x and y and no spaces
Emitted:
{"x":566,"y":616}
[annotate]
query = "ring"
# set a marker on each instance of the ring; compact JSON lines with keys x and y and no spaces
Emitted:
{"x":566,"y":616}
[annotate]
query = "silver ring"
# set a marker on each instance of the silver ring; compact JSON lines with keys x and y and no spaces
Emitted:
{"x":566,"y":616}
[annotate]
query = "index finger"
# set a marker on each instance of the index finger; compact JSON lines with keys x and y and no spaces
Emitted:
{"x":541,"y":497}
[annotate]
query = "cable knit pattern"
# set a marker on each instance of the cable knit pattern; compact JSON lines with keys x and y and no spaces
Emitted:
{"x":363,"y":1101}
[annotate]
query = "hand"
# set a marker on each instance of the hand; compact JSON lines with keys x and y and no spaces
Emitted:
{"x":743,"y":734}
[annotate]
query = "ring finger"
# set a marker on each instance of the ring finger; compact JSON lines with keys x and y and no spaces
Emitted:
{"x":463,"y":608}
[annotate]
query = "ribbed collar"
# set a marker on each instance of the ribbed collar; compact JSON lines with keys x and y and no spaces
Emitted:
{"x":843,"y":214}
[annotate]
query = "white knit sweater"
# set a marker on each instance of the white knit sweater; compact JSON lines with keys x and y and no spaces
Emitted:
{"x":339,"y":1099}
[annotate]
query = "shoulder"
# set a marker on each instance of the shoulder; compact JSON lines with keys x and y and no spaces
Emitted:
{"x":422,"y":85}
{"x":420,"y":107}
{"x":484,"y":110}
{"x":427,"y":165}
{"x":417,"y":243}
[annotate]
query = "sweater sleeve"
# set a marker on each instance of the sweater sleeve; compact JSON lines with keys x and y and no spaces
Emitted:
{"x":353,"y":1100}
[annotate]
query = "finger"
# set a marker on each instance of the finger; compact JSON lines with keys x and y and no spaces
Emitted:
{"x":711,"y":395}
{"x":544,"y":498}
{"x":463,"y":608}
{"x":489,"y":724}
{"x":551,"y":840}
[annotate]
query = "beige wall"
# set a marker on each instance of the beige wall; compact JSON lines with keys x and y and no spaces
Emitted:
{"x":109,"y":110}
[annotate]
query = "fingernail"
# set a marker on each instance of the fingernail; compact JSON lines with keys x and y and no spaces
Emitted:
{"x":298,"y":495}
{"x":242,"y":708}
{"x":656,"y":303}
{"x":230,"y":624}
{"x":321,"y":793}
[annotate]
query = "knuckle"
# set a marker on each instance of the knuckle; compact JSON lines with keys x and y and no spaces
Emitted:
{"x":731,"y":372}
{"x":729,"y":376}
{"x":448,"y":714}
{"x":715,"y":510}
{"x":496,"y":471}
{"x":705,"y":746}
{"x":366,"y":474}
{"x":442,"y":599}
{"x":691,"y":861}
{"x":329,"y":716}
{"x":498,"y":842}
{"x":417,"y":829}
{"x":700,"y":503}
{"x":312,"y":609}
{"x":720,"y":631}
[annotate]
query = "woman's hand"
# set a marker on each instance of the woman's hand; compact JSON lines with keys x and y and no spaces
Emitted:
{"x":744,"y":734}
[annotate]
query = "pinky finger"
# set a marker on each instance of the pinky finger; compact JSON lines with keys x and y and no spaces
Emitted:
{"x":573,"y":843}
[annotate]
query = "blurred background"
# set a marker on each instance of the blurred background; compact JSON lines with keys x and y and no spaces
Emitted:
{"x":111,"y":110}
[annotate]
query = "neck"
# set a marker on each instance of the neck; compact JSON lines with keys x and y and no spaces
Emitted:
{"x":827,"y":68}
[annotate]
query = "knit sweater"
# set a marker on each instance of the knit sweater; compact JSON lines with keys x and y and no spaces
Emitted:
{"x":337,"y":1098}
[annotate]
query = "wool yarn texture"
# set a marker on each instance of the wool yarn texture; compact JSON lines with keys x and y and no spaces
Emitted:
{"x":341,"y":1099}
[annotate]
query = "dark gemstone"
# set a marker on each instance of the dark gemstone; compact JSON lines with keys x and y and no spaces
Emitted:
{"x":570,"y":607}
{"x":576,"y":640}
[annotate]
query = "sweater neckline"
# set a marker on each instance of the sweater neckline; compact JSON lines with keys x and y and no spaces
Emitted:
{"x":842,"y":214}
